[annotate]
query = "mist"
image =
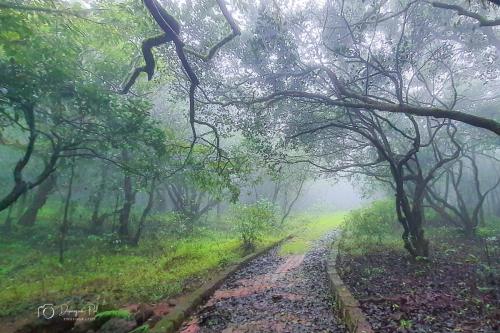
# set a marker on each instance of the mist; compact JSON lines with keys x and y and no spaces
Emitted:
{"x":249,"y":166}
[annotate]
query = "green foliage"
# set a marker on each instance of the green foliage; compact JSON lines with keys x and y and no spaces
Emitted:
{"x":491,"y":228}
{"x":107,"y":315}
{"x":372,"y":224}
{"x":405,"y":324}
{"x":375,"y":226}
{"x":252,"y":221}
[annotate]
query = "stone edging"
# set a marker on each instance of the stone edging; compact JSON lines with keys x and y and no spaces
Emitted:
{"x":173,"y":320}
{"x":348,"y":306}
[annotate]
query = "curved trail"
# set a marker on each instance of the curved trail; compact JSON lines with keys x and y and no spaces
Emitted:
{"x":272,"y":293}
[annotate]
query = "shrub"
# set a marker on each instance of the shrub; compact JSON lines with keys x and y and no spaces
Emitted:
{"x":251,"y":221}
{"x":372,"y":224}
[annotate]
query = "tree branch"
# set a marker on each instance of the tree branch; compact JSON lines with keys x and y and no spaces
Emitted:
{"x":235,"y":31}
{"x":483,"y":22}
{"x":370,"y":104}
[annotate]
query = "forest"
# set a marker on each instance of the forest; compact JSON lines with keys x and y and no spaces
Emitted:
{"x":204,"y":166}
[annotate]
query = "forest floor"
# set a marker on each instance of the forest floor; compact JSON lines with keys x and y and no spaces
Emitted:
{"x":458,"y":291}
{"x":277,"y":292}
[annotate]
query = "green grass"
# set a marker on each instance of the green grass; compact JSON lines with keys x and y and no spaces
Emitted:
{"x":155,"y":270}
{"x":357,"y":247}
{"x":310,"y":229}
{"x":112,"y":275}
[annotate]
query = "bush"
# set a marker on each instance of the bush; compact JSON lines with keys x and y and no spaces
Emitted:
{"x":252,"y":221}
{"x":373,"y":224}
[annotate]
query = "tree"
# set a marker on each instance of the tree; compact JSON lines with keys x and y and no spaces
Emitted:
{"x":171,"y":29}
{"x":97,"y":219}
{"x":387,"y":149}
{"x":58,"y":103}
{"x":361,"y":59}
{"x":450,"y":195}
{"x":65,"y":223}
{"x":369,"y":73}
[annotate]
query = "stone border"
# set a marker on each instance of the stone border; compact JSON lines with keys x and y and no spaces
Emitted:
{"x":348,"y":306}
{"x":173,"y":320}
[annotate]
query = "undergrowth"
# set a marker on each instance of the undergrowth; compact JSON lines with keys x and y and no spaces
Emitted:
{"x":31,"y":276}
{"x":103,"y":270}
{"x":375,"y":228}
{"x":371,"y":228}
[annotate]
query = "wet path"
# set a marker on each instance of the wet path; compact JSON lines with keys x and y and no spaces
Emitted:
{"x":272,"y":294}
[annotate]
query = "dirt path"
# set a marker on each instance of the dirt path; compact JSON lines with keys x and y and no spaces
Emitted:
{"x":272,"y":294}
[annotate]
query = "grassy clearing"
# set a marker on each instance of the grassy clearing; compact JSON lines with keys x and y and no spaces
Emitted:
{"x":309,"y":229}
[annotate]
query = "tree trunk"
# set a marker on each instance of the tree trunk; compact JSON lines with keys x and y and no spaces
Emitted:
{"x":145,"y":213}
{"x":39,"y":200}
{"x":96,"y":220}
{"x":482,"y":220}
{"x":411,"y":218}
{"x":419,"y":244}
{"x":63,"y":231}
{"x":22,"y":203}
{"x":8,"y":220}
{"x":497,"y":202}
{"x":277,"y":188}
{"x":20,"y":185}
{"x":129,"y":200}
{"x":469,"y":230}
{"x":115,"y":216}
{"x":289,"y":208}
{"x":219,"y":210}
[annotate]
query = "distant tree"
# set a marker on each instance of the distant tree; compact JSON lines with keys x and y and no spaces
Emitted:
{"x":459,"y":195}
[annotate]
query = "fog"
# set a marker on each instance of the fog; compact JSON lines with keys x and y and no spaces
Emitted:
{"x":330,"y":195}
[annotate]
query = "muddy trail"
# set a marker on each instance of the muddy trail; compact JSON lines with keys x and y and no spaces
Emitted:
{"x":273,"y":293}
